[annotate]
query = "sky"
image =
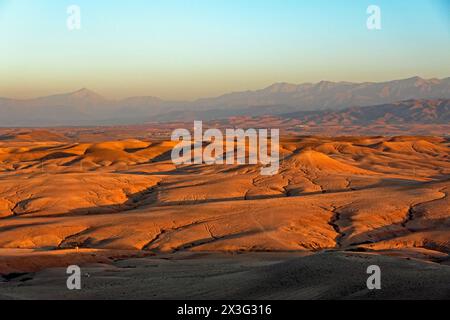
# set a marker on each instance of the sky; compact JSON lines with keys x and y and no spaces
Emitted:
{"x":186,"y":49}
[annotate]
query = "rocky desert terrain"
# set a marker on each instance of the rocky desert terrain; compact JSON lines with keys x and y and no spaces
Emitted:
{"x":113,"y":203}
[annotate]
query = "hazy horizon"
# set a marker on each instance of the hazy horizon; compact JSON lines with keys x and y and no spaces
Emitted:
{"x":184,"y":51}
{"x":150,"y":95}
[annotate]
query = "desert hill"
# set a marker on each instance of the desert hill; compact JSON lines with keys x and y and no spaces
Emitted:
{"x":120,"y":209}
{"x":370,"y":193}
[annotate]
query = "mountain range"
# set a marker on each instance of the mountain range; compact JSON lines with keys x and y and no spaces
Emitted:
{"x":85,"y":107}
{"x":418,"y":111}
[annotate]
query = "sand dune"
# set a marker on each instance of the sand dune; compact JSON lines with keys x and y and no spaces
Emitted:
{"x":91,"y":203}
{"x":369,"y":193}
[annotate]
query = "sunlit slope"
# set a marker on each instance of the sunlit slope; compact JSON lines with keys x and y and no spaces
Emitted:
{"x":368,"y":193}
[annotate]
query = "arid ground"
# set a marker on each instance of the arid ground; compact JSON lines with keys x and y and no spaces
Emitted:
{"x":144,"y":228}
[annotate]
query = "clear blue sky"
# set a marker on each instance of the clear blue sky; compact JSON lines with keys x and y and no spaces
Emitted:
{"x":193,"y":48}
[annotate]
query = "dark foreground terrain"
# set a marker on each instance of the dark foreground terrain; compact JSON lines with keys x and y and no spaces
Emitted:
{"x":327,"y":275}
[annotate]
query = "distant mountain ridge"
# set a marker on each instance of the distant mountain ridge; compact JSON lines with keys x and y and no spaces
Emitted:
{"x":85,"y":107}
{"x":332,"y":95}
{"x":410,"y":111}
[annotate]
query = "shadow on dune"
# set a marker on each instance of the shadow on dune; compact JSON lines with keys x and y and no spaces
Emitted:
{"x":397,"y":230}
{"x":149,"y":198}
{"x":57,"y":155}
{"x":23,"y":225}
{"x":200,"y":242}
